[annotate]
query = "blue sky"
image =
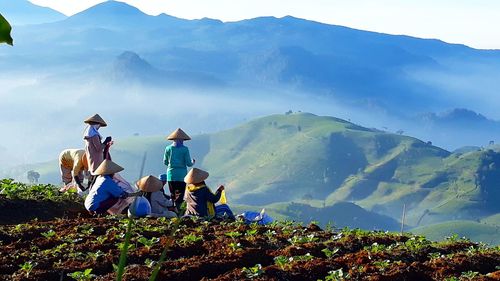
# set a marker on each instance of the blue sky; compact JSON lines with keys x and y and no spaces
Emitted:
{"x":470,"y":22}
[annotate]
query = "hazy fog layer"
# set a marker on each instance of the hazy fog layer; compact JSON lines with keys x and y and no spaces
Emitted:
{"x":41,"y":116}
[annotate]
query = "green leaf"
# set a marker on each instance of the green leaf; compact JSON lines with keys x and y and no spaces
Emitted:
{"x":123,"y":254}
{"x":5,"y":29}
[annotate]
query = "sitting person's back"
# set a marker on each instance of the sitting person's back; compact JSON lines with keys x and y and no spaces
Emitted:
{"x":105,"y":192}
{"x":200,"y":201}
{"x":161,"y":204}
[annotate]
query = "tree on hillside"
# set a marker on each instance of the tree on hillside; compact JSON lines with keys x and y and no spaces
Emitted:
{"x":5,"y":29}
{"x":33,"y":177}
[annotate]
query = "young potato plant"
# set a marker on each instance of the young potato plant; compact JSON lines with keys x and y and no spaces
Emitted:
{"x":336,"y":275}
{"x":27,"y":267}
{"x":85,"y":275}
{"x":48,"y":234}
{"x":253,"y":272}
{"x":330,"y":253}
{"x":189,"y":239}
{"x":148,"y":243}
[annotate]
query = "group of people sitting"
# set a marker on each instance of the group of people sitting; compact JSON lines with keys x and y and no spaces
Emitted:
{"x":109,"y":192}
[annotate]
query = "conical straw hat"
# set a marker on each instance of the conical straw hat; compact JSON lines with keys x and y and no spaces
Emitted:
{"x":178,"y":134}
{"x":107,"y":167}
{"x":96,"y":119}
{"x":149,"y":184}
{"x":195,"y":175}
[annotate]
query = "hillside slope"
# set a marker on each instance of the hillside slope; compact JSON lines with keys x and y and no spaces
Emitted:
{"x":321,"y":162}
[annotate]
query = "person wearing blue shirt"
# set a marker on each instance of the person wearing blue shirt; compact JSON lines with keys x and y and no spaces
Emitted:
{"x":105,"y":192}
{"x":177,"y":159}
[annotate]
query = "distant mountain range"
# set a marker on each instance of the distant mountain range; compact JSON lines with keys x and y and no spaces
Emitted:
{"x":356,"y":67}
{"x":22,"y":12}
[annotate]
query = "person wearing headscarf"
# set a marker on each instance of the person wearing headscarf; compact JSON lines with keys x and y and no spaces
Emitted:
{"x":161,"y":204}
{"x":73,"y":164}
{"x":177,"y":159}
{"x":105,"y":192}
{"x":200,"y":200}
{"x":94,"y":148}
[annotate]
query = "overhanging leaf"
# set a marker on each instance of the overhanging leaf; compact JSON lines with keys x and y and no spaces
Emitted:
{"x":5,"y":29}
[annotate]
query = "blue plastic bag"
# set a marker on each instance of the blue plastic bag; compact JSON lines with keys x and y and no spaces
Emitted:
{"x":260,"y":218}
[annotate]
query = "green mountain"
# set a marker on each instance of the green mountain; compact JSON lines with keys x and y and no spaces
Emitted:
{"x":309,"y":167}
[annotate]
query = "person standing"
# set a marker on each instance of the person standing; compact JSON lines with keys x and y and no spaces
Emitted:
{"x":94,"y":148}
{"x":177,"y":159}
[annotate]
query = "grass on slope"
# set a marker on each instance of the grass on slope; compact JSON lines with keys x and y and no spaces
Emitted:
{"x":473,"y":230}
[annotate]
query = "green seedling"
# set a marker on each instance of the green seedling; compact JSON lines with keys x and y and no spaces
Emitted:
{"x":86,"y":229}
{"x":434,"y":256}
{"x":235,"y":246}
{"x":27,"y":267}
{"x":375,"y":248}
{"x":190,"y":239}
{"x":469,"y":275}
{"x":296,"y":240}
{"x":49,"y":234}
{"x":336,"y":275}
{"x":148,"y":243}
{"x":96,"y":255}
{"x":382,"y":265}
{"x":85,"y":275}
{"x":251,"y":234}
{"x":306,"y":257}
{"x":282,"y":261}
{"x":330,"y":253}
{"x":149,"y":263}
{"x":101,"y":239}
{"x":233,"y":234}
{"x":253,"y":272}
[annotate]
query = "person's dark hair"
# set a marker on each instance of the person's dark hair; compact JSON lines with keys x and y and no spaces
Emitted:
{"x":148,"y":196}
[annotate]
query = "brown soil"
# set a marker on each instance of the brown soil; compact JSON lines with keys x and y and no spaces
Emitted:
{"x":63,"y":246}
{"x":20,"y":211}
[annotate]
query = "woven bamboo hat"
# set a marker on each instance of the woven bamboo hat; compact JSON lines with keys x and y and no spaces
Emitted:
{"x":149,"y":184}
{"x":107,"y":167}
{"x":195,"y":175}
{"x":96,"y":119}
{"x":178,"y":134}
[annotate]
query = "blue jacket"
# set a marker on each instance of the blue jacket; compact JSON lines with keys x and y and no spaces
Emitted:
{"x":103,"y":189}
{"x":177,"y":159}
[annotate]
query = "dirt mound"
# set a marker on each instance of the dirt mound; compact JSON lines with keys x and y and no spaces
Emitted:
{"x":23,"y":210}
{"x":232,"y":251}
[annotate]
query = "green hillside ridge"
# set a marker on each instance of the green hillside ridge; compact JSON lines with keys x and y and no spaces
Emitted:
{"x":475,"y":231}
{"x":320,"y":162}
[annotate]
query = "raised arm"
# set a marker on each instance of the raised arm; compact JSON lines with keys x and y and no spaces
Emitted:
{"x":214,"y":198}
